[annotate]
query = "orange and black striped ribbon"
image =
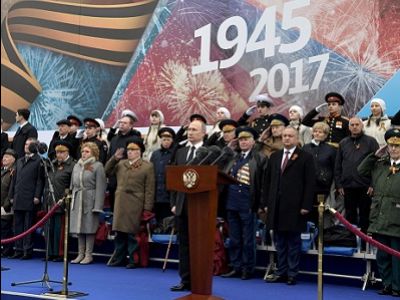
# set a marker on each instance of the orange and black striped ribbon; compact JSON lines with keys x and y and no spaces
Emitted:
{"x":101,"y":33}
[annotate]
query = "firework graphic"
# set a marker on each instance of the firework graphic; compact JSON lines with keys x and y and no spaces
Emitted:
{"x":186,"y":94}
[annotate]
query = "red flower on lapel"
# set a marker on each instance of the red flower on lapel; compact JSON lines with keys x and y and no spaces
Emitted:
{"x":294,"y":156}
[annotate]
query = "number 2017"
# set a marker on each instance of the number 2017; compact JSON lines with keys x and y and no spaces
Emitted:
{"x":262,"y":38}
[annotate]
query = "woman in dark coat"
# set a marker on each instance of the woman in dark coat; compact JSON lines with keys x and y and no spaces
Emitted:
{"x":324,"y":159}
{"x":134,"y":195}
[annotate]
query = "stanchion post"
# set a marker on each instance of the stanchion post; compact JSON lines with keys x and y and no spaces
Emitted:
{"x":65,"y":293}
{"x":321,"y":208}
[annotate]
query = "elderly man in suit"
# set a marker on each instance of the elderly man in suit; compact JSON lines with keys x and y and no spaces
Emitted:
{"x":195,"y":133}
{"x":288,"y":198}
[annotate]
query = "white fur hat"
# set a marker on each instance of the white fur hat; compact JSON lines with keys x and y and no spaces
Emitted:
{"x":225,"y":111}
{"x":381,"y":102}
{"x":160,"y":114}
{"x":298,"y":109}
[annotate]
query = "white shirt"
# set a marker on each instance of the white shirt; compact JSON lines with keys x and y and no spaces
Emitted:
{"x":284,"y":154}
{"x":196,"y":146}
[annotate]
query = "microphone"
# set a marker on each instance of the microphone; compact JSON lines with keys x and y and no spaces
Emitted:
{"x":213,"y":152}
{"x":227,"y":152}
{"x":200,"y":154}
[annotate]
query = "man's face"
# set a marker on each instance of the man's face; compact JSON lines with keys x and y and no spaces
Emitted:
{"x":355,"y":126}
{"x":246,"y":143}
{"x":394,"y":151}
{"x":133,"y":154}
{"x":195,"y":132}
{"x":18,"y":117}
{"x":62,"y":155}
{"x":63,"y":129}
{"x":8,"y":160}
{"x":125,"y":125}
{"x":334,"y":108}
{"x":290,"y":138}
{"x":90,"y":131}
{"x":166,"y":142}
{"x":277,"y":130}
{"x":73,"y":128}
{"x":26,"y":148}
{"x":229,"y":135}
{"x":262,"y":109}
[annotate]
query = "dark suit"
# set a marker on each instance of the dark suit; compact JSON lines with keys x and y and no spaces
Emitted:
{"x":20,"y":137}
{"x":179,"y":201}
{"x":285,"y":195}
{"x":27,"y":184}
{"x":4,"y":143}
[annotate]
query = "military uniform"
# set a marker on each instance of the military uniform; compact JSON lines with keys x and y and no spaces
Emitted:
{"x":338,"y":124}
{"x":385,"y":212}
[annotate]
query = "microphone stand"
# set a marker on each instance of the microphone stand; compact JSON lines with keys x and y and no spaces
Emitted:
{"x":45,"y":280}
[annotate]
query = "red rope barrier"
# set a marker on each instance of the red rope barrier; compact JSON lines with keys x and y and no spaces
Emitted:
{"x":362,"y":235}
{"x":33,"y":228}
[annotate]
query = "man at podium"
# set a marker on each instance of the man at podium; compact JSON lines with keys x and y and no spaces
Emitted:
{"x":196,"y":132}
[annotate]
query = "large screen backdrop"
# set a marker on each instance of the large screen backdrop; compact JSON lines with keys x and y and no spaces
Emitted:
{"x":193,"y":56}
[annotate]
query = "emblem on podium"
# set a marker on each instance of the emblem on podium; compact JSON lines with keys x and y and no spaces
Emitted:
{"x":190,"y":178}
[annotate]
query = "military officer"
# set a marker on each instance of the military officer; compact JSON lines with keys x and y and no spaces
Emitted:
{"x":338,"y":124}
{"x":384,"y":168}
{"x":264,"y":103}
{"x":271,"y":138}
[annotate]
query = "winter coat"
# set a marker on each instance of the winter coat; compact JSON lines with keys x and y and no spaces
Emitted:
{"x":6,"y":177}
{"x":135,"y":192}
{"x":385,"y":207}
{"x":88,"y":185}
{"x":27,"y":183}
{"x":285,"y":194}
{"x":377,"y":131}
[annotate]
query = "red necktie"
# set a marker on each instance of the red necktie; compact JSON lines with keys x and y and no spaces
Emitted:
{"x":285,"y":161}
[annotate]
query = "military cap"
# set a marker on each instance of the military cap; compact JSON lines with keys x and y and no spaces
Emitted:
{"x":392,"y":136}
{"x":74,"y":120}
{"x":228,"y":125}
{"x":11,"y":152}
{"x":246,"y":132}
{"x":130,"y":114}
{"x":62,"y":145}
{"x":264,"y":99}
{"x":278,"y":119}
{"x":198,"y":117}
{"x":135,"y":143}
{"x":91,"y":122}
{"x":334,"y":97}
{"x":64,"y":122}
{"x":166,"y":132}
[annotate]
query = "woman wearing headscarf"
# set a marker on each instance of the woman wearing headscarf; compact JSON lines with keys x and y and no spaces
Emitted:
{"x":378,"y":122}
{"x":296,"y":114}
{"x":88,"y":186}
{"x":151,"y":139}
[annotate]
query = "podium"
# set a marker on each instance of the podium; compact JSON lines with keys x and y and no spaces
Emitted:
{"x":200,"y":184}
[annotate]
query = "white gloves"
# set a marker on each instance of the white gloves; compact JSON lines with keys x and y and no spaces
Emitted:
{"x":251,"y":110}
{"x":320,"y":107}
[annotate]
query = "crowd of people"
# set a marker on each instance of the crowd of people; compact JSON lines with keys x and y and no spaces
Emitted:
{"x":280,"y":165}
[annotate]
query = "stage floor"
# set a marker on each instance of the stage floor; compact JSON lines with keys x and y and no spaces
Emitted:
{"x":102,"y":282}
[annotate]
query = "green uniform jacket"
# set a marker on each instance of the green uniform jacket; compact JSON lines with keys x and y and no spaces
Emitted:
{"x":385,"y":207}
